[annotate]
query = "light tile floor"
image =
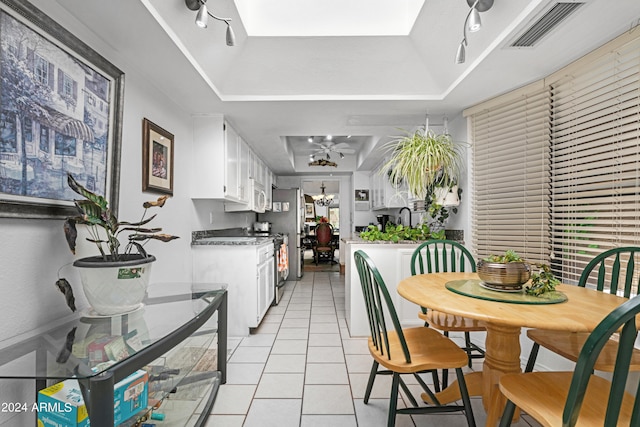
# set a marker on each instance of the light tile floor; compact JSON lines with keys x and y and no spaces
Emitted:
{"x":302,"y":368}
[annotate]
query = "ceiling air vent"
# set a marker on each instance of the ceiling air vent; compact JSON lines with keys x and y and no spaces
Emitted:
{"x":545,"y":23}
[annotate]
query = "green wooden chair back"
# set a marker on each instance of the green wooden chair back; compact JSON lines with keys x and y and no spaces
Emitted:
{"x":441,"y":256}
{"x":622,"y":317}
{"x":379,"y":306}
{"x":609,"y":267}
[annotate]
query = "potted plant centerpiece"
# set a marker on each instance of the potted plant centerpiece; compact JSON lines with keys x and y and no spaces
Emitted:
{"x":506,"y":272}
{"x":115,"y":281}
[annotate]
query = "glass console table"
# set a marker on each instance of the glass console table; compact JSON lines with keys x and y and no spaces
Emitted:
{"x":178,"y":335}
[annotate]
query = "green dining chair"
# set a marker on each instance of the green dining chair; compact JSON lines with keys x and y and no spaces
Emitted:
{"x":443,"y":256}
{"x":581,"y":398}
{"x":604,"y":273}
{"x":406,"y":351}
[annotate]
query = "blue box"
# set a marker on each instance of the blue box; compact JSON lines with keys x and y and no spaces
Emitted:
{"x":130,"y":396}
{"x":62,"y":405}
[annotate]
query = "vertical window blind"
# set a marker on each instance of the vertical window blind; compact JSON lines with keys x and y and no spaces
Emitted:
{"x":595,"y":158}
{"x":510,"y":169}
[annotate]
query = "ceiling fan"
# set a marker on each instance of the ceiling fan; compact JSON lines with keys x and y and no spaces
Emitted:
{"x":327,"y":146}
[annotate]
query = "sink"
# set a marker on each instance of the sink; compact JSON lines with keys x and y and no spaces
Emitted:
{"x":229,"y":239}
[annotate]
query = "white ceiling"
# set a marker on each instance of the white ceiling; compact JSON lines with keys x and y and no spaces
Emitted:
{"x":274,"y":89}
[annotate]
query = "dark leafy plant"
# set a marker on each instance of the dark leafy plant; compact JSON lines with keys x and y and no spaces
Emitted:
{"x":542,"y":281}
{"x":95,"y":214}
{"x":396,"y":233}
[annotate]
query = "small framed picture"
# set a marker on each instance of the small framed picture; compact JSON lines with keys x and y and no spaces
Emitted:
{"x":309,"y":210}
{"x":362,"y":195}
{"x":157,"y":159}
{"x":285,"y":206}
{"x":277,"y":207}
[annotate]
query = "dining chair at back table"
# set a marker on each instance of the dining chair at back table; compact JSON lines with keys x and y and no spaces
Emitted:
{"x":604,"y":273}
{"x":406,"y":351}
{"x":442,"y":256}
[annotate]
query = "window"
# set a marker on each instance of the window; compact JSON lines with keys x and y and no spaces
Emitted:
{"x":595,"y":140}
{"x":556,"y":165}
{"x":334,"y":217}
{"x":44,"y":138}
{"x":65,"y":145}
{"x":67,"y":85}
{"x":510,"y":167}
{"x":41,"y":69}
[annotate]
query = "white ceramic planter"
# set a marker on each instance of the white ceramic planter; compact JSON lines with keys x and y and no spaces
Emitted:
{"x":447,"y":197}
{"x":115,"y":287}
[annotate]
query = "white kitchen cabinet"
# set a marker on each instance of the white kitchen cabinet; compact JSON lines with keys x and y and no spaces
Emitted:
{"x":394,"y":264}
{"x":268,"y":190}
{"x":266,"y":288}
{"x":384,"y":195}
{"x":243,"y":171}
{"x":249,"y":271}
{"x":232,"y":155}
{"x":215,"y":160}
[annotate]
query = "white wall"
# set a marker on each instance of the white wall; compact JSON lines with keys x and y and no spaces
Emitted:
{"x":462,"y":220}
{"x":33,"y":251}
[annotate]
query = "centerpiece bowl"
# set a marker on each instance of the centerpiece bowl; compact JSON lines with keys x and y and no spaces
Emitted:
{"x":507,"y":276}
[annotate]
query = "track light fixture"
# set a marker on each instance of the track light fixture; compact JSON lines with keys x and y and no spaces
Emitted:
{"x":202,"y":18}
{"x":472,"y":23}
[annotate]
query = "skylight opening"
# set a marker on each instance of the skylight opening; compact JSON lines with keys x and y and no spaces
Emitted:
{"x":313,"y":18}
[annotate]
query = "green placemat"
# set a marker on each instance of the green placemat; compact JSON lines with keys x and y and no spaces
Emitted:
{"x":472,"y":288}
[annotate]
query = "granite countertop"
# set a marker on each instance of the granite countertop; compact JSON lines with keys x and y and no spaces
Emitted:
{"x":456,"y":235}
{"x":358,"y":240}
{"x":229,"y":237}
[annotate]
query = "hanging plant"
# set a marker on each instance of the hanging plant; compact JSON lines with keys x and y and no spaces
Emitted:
{"x":423,"y":159}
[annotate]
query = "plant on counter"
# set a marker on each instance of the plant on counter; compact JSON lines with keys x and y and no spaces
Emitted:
{"x":542,"y":281}
{"x":397,"y":233}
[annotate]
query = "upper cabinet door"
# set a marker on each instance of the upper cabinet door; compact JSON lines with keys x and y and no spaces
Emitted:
{"x":243,"y":172}
{"x":232,"y":154}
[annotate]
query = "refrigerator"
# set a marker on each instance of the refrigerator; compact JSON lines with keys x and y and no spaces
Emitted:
{"x":288,"y":218}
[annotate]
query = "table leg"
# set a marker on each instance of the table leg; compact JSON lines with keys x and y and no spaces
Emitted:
{"x":502,"y":357}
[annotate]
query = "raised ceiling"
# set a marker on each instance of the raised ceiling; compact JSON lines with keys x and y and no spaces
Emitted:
{"x":274,"y":89}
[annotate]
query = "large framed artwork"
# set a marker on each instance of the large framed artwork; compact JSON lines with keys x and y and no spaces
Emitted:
{"x":157,"y":159}
{"x":60,"y":112}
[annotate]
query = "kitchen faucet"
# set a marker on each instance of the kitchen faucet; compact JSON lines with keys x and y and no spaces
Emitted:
{"x":400,"y":213}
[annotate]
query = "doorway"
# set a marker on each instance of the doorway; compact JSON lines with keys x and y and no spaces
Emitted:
{"x":329,"y":211}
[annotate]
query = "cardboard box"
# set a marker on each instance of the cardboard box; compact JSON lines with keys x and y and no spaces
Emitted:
{"x":130,"y":396}
{"x":62,"y":405}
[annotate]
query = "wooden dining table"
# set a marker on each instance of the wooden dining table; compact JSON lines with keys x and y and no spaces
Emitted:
{"x":581,"y":312}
